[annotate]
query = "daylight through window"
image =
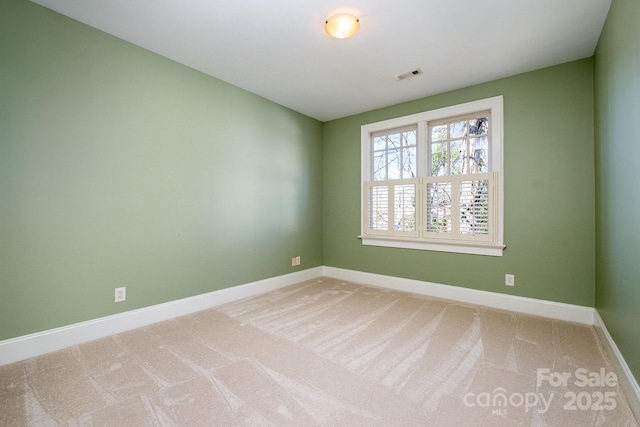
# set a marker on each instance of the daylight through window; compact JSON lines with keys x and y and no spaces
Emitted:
{"x":433,"y":180}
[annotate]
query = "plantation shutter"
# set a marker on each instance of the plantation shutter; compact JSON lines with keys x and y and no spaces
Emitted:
{"x":391,"y":207}
{"x":460,"y":207}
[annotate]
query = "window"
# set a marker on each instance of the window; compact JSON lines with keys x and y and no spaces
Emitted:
{"x":433,"y":180}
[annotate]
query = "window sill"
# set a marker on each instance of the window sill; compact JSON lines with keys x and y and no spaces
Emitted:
{"x":488,"y":249}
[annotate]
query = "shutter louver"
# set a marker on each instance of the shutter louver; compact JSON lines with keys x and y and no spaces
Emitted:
{"x":391,"y":207}
{"x":404,"y":212}
{"x":455,"y":207}
{"x":378,"y":207}
{"x":438,"y":207}
{"x":474,"y":207}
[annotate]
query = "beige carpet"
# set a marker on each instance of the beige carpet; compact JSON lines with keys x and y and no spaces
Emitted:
{"x":325,"y":353}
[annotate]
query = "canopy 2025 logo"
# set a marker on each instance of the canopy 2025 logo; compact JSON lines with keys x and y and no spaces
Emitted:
{"x":598,"y":397}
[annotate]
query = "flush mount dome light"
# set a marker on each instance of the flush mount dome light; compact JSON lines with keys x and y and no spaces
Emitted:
{"x":342,"y":25}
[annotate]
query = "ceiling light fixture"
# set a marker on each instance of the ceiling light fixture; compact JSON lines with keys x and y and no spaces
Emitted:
{"x":342,"y":25}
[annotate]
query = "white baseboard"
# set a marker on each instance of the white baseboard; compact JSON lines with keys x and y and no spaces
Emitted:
{"x":628,"y":382}
{"x":24,"y":347}
{"x":550,"y":309}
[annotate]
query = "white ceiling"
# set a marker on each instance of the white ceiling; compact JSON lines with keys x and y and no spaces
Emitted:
{"x":278,"y":48}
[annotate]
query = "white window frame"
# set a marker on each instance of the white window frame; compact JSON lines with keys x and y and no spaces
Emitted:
{"x":495,"y":106}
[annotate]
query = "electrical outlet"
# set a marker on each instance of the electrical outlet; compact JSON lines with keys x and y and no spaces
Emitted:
{"x":298,"y":260}
{"x":509,"y":280}
{"x":121,"y":294}
{"x":295,"y":261}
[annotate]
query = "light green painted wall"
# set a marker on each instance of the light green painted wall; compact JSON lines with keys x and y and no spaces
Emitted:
{"x":549,"y":192}
{"x":119,"y":167}
{"x":617,"y":102}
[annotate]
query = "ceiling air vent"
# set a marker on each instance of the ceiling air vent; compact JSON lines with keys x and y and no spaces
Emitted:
{"x":408,"y":74}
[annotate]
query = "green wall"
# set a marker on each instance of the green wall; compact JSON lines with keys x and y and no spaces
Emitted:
{"x":617,"y":102}
{"x":119,"y":167}
{"x":549,"y":192}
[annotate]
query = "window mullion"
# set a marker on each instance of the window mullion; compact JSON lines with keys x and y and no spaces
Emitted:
{"x":423,"y":158}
